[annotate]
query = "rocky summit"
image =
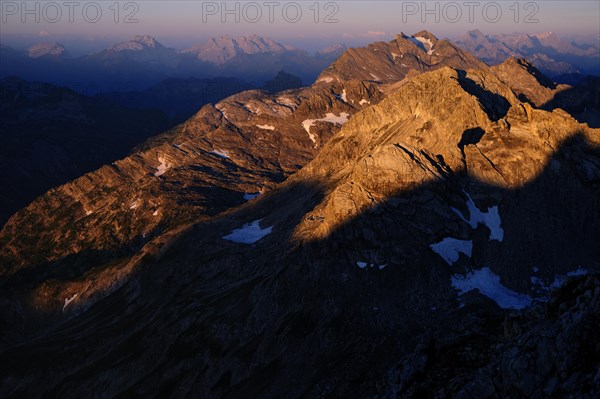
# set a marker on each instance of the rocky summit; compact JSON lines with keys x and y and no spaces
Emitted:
{"x":427,"y":232}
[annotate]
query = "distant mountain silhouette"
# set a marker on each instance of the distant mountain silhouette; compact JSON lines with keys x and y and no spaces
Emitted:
{"x":282,"y":81}
{"x":142,"y":62}
{"x":550,"y":54}
{"x":180,"y":98}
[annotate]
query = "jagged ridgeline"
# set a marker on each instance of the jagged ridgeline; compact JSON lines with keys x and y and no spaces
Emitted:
{"x":393,"y":230}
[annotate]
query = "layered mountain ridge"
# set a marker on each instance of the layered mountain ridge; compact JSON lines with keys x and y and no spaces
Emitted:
{"x":142,"y":61}
{"x":262,"y":137}
{"x":52,"y":135}
{"x":222,"y":49}
{"x":380,"y":251}
{"x":550,"y":54}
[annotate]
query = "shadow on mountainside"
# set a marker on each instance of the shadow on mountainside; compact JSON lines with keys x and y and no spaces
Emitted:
{"x":581,"y":101}
{"x":494,"y":104}
{"x":51,"y":135}
{"x":295,"y":318}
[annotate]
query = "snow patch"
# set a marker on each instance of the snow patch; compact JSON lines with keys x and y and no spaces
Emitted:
{"x":266,"y":127}
{"x":364,"y":265}
{"x":135,"y":204}
{"x":579,"y":272}
{"x":162,"y":168}
{"x":338,"y":120}
{"x":253,"y":109}
{"x":491,"y":219}
{"x":88,"y":213}
{"x":374,"y":77}
{"x":155,"y":213}
{"x":326,"y":79}
{"x":69,"y":300}
{"x":426,"y":43}
{"x":306,"y":124}
{"x":343,"y":96}
{"x":223,"y":111}
{"x":248,"y":233}
{"x":488,"y":284}
{"x":251,"y":196}
{"x":288,"y":102}
{"x":329,"y":117}
{"x":220,"y":153}
{"x":450,"y":248}
{"x":363,"y":101}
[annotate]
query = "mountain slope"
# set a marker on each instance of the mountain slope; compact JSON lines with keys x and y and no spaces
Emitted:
{"x":345,"y":282}
{"x":51,"y":135}
{"x":244,"y":144}
{"x":227,"y":153}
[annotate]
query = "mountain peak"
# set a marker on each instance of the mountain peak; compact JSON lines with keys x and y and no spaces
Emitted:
{"x":223,"y":48}
{"x":258,"y":44}
{"x":395,"y":60}
{"x":339,"y":47}
{"x":145,"y":39}
{"x":545,"y":35}
{"x":475,"y":33}
{"x":516,"y":61}
{"x":424,"y":40}
{"x":43,"y":49}
{"x":426,"y":35}
{"x":138,"y":43}
{"x":526,"y":80}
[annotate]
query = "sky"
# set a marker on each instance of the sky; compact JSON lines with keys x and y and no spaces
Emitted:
{"x":93,"y":25}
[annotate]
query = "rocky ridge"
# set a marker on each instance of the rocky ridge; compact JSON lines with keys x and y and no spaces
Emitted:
{"x":393,"y":61}
{"x":343,"y":282}
{"x":254,"y":138}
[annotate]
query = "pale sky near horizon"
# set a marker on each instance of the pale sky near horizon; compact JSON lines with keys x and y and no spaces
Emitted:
{"x":182,"y":23}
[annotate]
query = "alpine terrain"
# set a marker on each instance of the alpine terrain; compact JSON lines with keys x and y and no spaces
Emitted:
{"x":415,"y":223}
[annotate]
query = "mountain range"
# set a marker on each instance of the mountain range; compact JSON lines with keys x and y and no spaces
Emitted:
{"x":142,"y":61}
{"x":553,"y":56}
{"x":415,"y":223}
